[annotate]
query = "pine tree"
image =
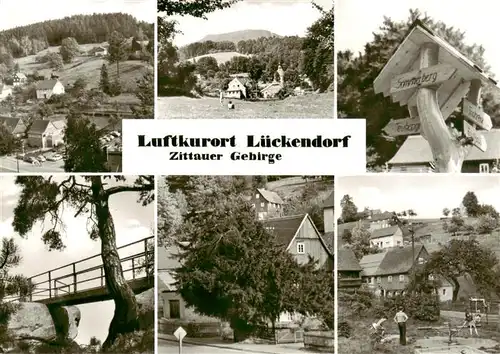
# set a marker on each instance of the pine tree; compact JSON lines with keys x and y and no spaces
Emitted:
{"x":104,"y":82}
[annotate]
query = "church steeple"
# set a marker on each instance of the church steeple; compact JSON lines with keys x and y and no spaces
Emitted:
{"x":281,"y":74}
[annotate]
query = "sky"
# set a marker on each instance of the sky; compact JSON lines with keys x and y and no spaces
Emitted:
{"x":133,"y":222}
{"x":275,"y":16}
{"x":426,"y":194}
{"x":356,"y":20}
{"x":15,"y":13}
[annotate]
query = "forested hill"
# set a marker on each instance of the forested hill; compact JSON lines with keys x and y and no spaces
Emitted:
{"x":95,"y":28}
{"x":276,"y":46}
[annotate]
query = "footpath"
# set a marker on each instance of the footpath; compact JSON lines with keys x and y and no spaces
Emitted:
{"x":291,"y":348}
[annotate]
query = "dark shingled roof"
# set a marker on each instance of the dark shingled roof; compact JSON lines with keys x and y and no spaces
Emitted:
{"x":329,"y":202}
{"x":398,"y":260}
{"x":328,"y":240}
{"x":285,"y":227}
{"x":46,"y":84}
{"x":346,"y":260}
{"x":11,"y":124}
{"x":39,"y":126}
{"x":386,"y":231}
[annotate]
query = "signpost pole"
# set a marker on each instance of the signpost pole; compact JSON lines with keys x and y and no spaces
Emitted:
{"x":180,"y":346}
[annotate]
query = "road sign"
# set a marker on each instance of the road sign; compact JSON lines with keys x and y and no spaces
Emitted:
{"x":180,"y":333}
{"x":405,"y":126}
{"x":474,"y":114}
{"x":432,"y":75}
{"x":478,"y":139}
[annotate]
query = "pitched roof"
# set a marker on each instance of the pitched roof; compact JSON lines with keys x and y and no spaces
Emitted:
{"x":274,"y":87}
{"x":371,"y":262}
{"x":39,"y":126}
{"x":271,"y":197}
{"x":386,"y":231}
{"x":329,"y":201}
{"x":328,"y":240}
{"x":243,"y":80}
{"x":285,"y":227}
{"x":398,"y":260}
{"x":167,"y":259}
{"x":416,"y":150}
{"x":12,"y":124}
{"x":346,"y":260}
{"x":46,"y":84}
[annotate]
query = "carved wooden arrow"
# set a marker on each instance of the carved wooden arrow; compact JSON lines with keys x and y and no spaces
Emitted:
{"x":478,"y":139}
{"x":429,"y":76}
{"x":405,"y":126}
{"x":475,"y":115}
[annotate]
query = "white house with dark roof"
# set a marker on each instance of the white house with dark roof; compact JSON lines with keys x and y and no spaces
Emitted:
{"x":387,"y":237}
{"x":19,"y":79}
{"x":46,"y":88}
{"x":415,"y":155}
{"x":266,"y":203}
{"x":15,"y":126}
{"x":237,"y":88}
{"x":46,"y":133}
{"x":5,"y":91}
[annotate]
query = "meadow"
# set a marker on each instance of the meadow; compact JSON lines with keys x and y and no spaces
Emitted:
{"x":308,"y":106}
{"x":86,"y":67}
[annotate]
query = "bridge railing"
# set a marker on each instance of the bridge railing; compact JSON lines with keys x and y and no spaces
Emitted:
{"x":137,"y":259}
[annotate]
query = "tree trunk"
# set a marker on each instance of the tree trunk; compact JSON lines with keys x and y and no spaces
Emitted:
{"x":125,"y":318}
{"x":456,"y":289}
{"x":117,"y":70}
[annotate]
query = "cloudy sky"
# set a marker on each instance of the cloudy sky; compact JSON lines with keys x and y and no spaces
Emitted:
{"x":267,"y":15}
{"x":14,"y":13}
{"x":356,"y":20}
{"x":132,"y":221}
{"x":426,"y":194}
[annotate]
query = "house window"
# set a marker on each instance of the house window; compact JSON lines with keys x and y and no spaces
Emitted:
{"x":262,"y":204}
{"x":379,"y":280}
{"x":444,"y":291}
{"x":484,"y":168}
{"x":420,"y":260}
{"x":401,"y":277}
{"x":389,"y":278}
{"x":175,"y":308}
{"x":431,"y":277}
{"x":372,"y":280}
{"x":257,"y":196}
{"x":300,"y":248}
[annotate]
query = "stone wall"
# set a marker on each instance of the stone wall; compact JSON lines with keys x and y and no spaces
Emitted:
{"x":322,"y":341}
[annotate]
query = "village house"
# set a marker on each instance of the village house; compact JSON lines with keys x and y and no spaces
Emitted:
{"x":266,"y":203}
{"x":238,"y":87}
{"x":46,"y":88}
{"x":46,"y":133}
{"x":348,"y":269}
{"x":19,"y":79}
{"x":5,"y":91}
{"x":15,"y":126}
{"x":328,"y":214}
{"x":387,"y":237}
{"x":415,"y":155}
{"x":100,"y":51}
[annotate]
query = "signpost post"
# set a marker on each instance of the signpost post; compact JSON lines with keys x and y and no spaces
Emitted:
{"x":432,"y":78}
{"x":180,"y":333}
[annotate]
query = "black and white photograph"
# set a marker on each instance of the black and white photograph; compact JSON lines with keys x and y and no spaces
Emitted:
{"x":418,"y":263}
{"x":245,"y":264}
{"x":245,"y":59}
{"x":69,"y":73}
{"x":424,"y":76}
{"x":77,"y":264}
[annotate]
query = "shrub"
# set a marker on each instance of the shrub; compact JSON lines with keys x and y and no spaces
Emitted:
{"x":419,"y":306}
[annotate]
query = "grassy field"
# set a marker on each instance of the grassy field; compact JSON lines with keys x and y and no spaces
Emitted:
{"x":222,"y":57}
{"x":87,"y":67}
{"x":309,"y":106}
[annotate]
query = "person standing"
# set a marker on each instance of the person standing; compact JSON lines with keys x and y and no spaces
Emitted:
{"x":400,"y":318}
{"x":221,"y":97}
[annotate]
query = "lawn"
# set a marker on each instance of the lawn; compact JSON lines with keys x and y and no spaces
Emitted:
{"x":308,"y":106}
{"x":87,"y":67}
{"x":221,"y":57}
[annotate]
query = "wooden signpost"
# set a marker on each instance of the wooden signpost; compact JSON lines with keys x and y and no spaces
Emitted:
{"x":475,"y":115}
{"x":180,"y":333}
{"x":405,"y":126}
{"x":424,"y":77}
{"x":478,"y":139}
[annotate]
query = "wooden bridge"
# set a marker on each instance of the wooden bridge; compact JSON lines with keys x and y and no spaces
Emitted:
{"x":83,"y":282}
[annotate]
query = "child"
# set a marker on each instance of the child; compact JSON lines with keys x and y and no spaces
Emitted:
{"x":469,"y":322}
{"x":230,"y":105}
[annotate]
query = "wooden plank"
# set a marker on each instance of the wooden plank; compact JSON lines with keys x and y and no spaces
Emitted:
{"x":454,"y":99}
{"x":405,"y":126}
{"x":432,"y":75}
{"x":478,"y":139}
{"x":475,"y":115}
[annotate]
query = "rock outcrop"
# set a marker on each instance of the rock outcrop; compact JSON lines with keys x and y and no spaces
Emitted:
{"x":35,"y":320}
{"x":146,"y":303}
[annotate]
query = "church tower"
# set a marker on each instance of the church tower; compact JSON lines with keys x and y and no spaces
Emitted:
{"x":281,"y":74}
